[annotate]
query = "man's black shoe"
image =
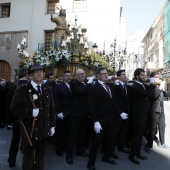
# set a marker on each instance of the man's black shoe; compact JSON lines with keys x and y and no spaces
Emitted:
{"x":134,"y":159}
{"x":82,"y":154}
{"x":110,"y":161}
{"x":114,"y":156}
{"x":125,"y":150}
{"x":11,"y":163}
{"x":142,"y":157}
{"x":69,"y":160}
{"x":91,"y":167}
{"x":2,"y":126}
{"x":59,"y":153}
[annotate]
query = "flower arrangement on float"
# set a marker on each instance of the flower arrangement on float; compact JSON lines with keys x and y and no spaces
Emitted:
{"x":52,"y":57}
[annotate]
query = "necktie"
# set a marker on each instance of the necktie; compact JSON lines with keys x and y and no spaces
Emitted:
{"x":39,"y":90}
{"x":124,"y":87}
{"x":107,"y":89}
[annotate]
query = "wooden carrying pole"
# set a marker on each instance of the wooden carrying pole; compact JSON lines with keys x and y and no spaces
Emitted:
{"x":33,"y":122}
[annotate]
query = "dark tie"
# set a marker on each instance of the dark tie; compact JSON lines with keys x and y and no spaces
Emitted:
{"x":39,"y":89}
{"x":124,"y":87}
{"x":107,"y":88}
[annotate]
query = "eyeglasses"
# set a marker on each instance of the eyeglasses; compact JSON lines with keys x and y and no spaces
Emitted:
{"x":103,"y":74}
{"x":81,"y":73}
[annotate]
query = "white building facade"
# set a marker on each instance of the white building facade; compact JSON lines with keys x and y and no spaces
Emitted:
{"x":31,"y":20}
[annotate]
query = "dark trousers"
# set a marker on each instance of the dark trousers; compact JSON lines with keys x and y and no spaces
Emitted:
{"x":119,"y":132}
{"x":77,"y":133}
{"x":33,"y":158}
{"x":2,"y":113}
{"x":62,"y":133}
{"x":138,"y":127}
{"x":13,"y":151}
{"x":107,"y":131}
{"x":156,"y":119}
{"x":89,"y":133}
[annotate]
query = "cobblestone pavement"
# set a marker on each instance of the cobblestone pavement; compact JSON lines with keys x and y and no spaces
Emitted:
{"x":158,"y":159}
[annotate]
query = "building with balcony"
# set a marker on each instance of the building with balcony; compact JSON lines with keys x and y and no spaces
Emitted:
{"x":154,"y":51}
{"x":166,"y":66}
{"x":31,"y":20}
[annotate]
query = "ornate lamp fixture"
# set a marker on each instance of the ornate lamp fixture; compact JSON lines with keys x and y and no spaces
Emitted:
{"x":76,"y":41}
{"x":117,"y":58}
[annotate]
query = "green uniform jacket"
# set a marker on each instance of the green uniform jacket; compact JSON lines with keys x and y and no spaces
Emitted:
{"x":21,"y":106}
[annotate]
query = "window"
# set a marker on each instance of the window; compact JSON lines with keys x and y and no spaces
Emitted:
{"x":48,"y":39}
{"x":151,"y":37}
{"x":79,"y":5}
{"x":151,"y":58}
{"x":5,"y":10}
{"x":53,"y":6}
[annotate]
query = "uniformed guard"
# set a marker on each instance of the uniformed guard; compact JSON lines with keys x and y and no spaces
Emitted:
{"x":34,"y":105}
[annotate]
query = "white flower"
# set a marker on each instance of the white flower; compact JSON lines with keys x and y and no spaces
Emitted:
{"x":35,"y":97}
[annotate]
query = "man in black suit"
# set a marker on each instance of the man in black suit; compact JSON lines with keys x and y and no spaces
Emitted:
{"x":62,"y":99}
{"x":101,"y":109}
{"x":78,"y":115}
{"x":157,"y":115}
{"x":15,"y":141}
{"x":120,"y":124}
{"x":138,"y":110}
{"x":34,"y":103}
{"x":3,"y":95}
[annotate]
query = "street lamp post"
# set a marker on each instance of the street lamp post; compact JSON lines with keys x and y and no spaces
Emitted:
{"x":117,"y":58}
{"x":112,"y":56}
{"x":121,"y":58}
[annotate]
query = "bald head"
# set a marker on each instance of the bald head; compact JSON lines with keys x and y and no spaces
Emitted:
{"x":80,"y":75}
{"x":79,"y":71}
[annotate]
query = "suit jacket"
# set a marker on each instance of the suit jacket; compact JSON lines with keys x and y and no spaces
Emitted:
{"x":22,"y":107}
{"x":100,"y":104}
{"x":3,"y":94}
{"x":139,"y":100}
{"x":62,"y":99}
{"x":78,"y":107}
{"x":157,"y":99}
{"x":122,"y":97}
{"x":11,"y":91}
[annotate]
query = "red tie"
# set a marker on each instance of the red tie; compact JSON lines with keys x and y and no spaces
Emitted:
{"x":107,"y":88}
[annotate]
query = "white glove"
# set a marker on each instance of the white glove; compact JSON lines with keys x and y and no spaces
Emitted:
{"x":52,"y":131}
{"x":90,"y":80}
{"x":35,"y":112}
{"x":124,"y":116}
{"x":110,"y":77}
{"x":97,"y":127}
{"x":152,"y":80}
{"x":60,"y":115}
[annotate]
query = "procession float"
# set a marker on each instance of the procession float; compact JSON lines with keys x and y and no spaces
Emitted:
{"x":69,"y":51}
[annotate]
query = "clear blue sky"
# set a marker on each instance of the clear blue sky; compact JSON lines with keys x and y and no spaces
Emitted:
{"x":140,"y":14}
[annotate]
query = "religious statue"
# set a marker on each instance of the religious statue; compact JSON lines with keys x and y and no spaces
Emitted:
{"x":61,"y":30}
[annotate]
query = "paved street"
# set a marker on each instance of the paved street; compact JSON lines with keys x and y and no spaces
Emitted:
{"x":158,"y":159}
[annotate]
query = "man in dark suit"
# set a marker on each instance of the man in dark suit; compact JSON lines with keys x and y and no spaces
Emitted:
{"x":157,"y":115}
{"x":78,"y":115}
{"x":101,"y":109}
{"x":62,"y":98}
{"x":34,"y":101}
{"x":138,"y":110}
{"x":3,"y":95}
{"x":120,"y":125}
{"x":15,"y":141}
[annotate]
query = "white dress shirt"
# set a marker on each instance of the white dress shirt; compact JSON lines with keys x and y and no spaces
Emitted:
{"x":35,"y":85}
